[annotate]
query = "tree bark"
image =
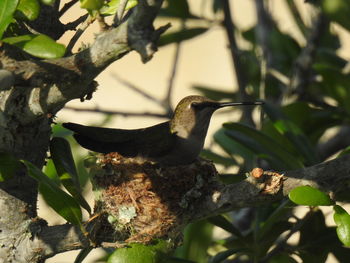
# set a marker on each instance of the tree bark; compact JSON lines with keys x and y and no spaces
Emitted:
{"x":31,"y":92}
{"x":331,"y":177}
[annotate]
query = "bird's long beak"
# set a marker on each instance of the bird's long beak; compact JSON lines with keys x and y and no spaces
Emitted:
{"x":226,"y":104}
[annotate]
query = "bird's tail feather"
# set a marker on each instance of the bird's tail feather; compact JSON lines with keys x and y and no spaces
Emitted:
{"x":93,"y":145}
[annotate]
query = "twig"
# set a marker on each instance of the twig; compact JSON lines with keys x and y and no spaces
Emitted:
{"x":167,"y":99}
{"x":119,"y":15}
{"x":279,"y":76}
{"x":73,"y":25}
{"x":66,"y":7}
{"x":122,"y":113}
{"x":78,"y":33}
{"x":301,"y":77}
{"x":282,"y":243}
{"x":263,"y":30}
{"x":101,"y":22}
{"x":137,"y":90}
{"x":238,"y":67}
{"x":328,"y":177}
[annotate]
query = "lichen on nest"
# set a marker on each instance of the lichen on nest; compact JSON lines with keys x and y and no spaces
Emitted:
{"x":142,"y":201}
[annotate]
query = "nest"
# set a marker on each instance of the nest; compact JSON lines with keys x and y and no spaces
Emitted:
{"x":140,"y":201}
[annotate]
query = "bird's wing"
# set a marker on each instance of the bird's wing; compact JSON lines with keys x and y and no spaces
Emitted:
{"x":151,"y":142}
{"x":101,"y":134}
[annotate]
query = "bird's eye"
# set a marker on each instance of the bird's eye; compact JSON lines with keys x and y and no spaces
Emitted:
{"x":193,"y":104}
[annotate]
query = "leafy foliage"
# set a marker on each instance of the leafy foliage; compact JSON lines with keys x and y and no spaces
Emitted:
{"x":289,"y":138}
{"x":63,"y":160}
{"x":296,"y":120}
{"x":64,"y":204}
{"x":307,"y":195}
{"x":139,"y":253}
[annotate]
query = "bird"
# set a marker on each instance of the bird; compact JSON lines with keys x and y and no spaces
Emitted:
{"x":178,"y":141}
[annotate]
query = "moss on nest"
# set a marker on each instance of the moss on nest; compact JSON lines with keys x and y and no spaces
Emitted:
{"x":140,"y":200}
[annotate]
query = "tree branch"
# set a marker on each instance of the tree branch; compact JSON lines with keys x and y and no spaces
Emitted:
{"x":67,"y":6}
{"x":122,"y":113}
{"x":72,"y":77}
{"x":329,"y":177}
{"x":235,"y":55}
{"x":52,"y":240}
{"x":301,"y":77}
{"x":137,"y":89}
{"x":167,"y":100}
{"x":254,"y":191}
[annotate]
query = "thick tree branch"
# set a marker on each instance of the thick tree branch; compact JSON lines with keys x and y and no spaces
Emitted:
{"x":52,"y":240}
{"x":330,"y":177}
{"x":33,"y":91}
{"x":72,"y":77}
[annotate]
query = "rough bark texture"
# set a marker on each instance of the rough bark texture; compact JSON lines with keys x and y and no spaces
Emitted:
{"x":215,"y":198}
{"x":31,"y":92}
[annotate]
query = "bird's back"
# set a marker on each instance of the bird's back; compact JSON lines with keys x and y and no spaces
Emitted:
{"x":149,"y":142}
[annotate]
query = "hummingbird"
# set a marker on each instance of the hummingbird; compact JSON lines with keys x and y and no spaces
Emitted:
{"x":175,"y":142}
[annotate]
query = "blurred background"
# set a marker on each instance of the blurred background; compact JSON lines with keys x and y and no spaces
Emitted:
{"x":200,"y":65}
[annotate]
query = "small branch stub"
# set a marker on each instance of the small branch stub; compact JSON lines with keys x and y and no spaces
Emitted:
{"x":267,"y":181}
{"x":139,"y":201}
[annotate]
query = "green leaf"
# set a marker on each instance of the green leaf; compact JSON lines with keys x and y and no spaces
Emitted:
{"x":313,"y":121}
{"x":289,"y":129}
{"x":83,"y":254}
{"x":342,"y":220}
{"x":276,"y":216}
{"x":307,"y":195}
{"x":62,"y":158}
{"x":56,"y":198}
{"x":274,"y":235}
{"x":316,"y":239}
{"x":50,"y":171}
{"x":7,"y":9}
{"x":218,"y":159}
{"x":40,"y":46}
{"x":111,"y":7}
{"x":223,"y":223}
{"x":28,"y":9}
{"x":338,"y":11}
{"x":140,"y":253}
{"x":232,"y":147}
{"x":8,"y":166}
{"x":262,"y":145}
{"x":198,"y":237}
{"x":91,"y":4}
{"x":182,"y":35}
{"x":178,"y":9}
{"x":48,"y":2}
